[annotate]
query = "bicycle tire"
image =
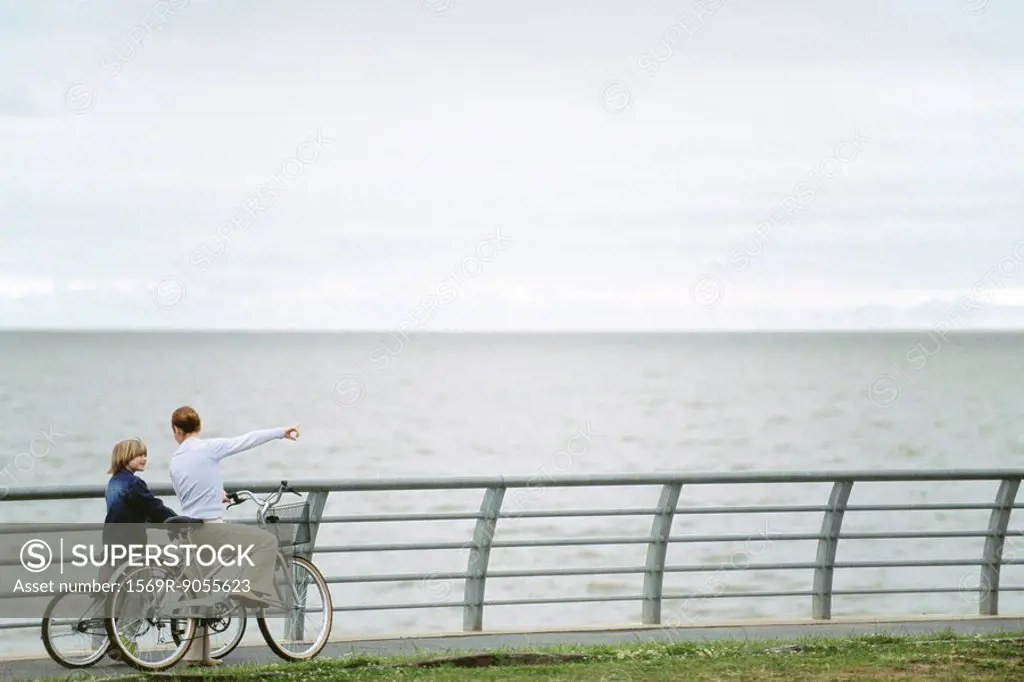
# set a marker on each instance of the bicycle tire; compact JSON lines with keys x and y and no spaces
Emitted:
{"x":46,"y":634}
{"x":127,"y":656}
{"x":318,"y":578}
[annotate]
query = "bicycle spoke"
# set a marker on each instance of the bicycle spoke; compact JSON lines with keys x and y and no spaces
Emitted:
{"x":301,"y":631}
{"x":71,"y":635}
{"x":141,"y":632}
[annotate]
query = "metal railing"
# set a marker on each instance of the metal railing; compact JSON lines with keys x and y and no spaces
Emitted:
{"x":491,"y":511}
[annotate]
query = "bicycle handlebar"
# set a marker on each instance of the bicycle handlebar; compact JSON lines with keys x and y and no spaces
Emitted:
{"x":240,"y":496}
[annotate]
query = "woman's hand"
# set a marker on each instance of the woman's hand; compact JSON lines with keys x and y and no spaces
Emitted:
{"x":292,"y":432}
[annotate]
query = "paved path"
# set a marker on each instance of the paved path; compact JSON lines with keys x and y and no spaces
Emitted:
{"x":39,"y":665}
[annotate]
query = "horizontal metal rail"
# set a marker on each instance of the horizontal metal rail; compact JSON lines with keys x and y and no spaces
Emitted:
{"x":626,"y":540}
{"x":620,"y":480}
{"x":639,"y":570}
{"x":498,"y":496}
{"x":569,"y":513}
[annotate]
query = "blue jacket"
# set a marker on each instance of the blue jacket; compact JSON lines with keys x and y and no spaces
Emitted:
{"x":130,"y":501}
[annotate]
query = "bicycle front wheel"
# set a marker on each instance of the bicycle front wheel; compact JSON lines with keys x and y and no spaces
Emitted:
{"x":146,"y":640}
{"x":74,"y":632}
{"x":301,"y":632}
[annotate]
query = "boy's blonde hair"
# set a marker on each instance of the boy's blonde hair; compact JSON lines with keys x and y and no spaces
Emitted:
{"x":124,"y":452}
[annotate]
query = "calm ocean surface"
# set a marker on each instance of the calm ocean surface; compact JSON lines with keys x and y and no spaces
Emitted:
{"x":452,"y":405}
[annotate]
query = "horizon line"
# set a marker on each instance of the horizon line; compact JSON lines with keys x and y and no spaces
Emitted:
{"x":481,"y":332}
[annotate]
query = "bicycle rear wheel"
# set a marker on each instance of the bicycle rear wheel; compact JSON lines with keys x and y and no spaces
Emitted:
{"x":73,"y":629}
{"x":302,"y":632}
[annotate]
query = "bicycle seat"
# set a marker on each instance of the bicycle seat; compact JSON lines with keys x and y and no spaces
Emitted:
{"x":183,"y":519}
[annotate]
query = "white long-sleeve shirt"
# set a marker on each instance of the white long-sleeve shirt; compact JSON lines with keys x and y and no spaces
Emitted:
{"x":195,"y":470}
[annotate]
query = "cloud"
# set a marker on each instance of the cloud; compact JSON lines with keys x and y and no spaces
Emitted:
{"x":497,"y":302}
{"x":25,"y":287}
{"x":614,"y":215}
{"x":18,"y":103}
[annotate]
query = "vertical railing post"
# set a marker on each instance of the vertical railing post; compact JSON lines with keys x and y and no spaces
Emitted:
{"x":992,"y":558}
{"x":479,"y":556}
{"x":317,"y":501}
{"x":295,"y":626}
{"x":657,"y":550}
{"x":828,"y":543}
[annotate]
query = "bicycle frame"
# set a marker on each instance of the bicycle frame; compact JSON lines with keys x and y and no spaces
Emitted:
{"x":263,"y":506}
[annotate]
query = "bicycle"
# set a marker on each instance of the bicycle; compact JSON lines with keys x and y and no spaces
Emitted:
{"x":85,"y":626}
{"x":291,"y":524}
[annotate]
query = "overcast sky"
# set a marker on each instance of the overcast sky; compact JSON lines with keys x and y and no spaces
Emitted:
{"x":626,"y":153}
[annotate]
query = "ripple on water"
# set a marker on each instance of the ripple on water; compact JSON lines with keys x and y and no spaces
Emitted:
{"x":606,"y":587}
{"x":657,"y":403}
{"x":908,"y":451}
{"x":881,"y":423}
{"x":827,"y":412}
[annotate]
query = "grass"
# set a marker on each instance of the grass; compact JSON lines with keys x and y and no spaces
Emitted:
{"x":877,"y":657}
